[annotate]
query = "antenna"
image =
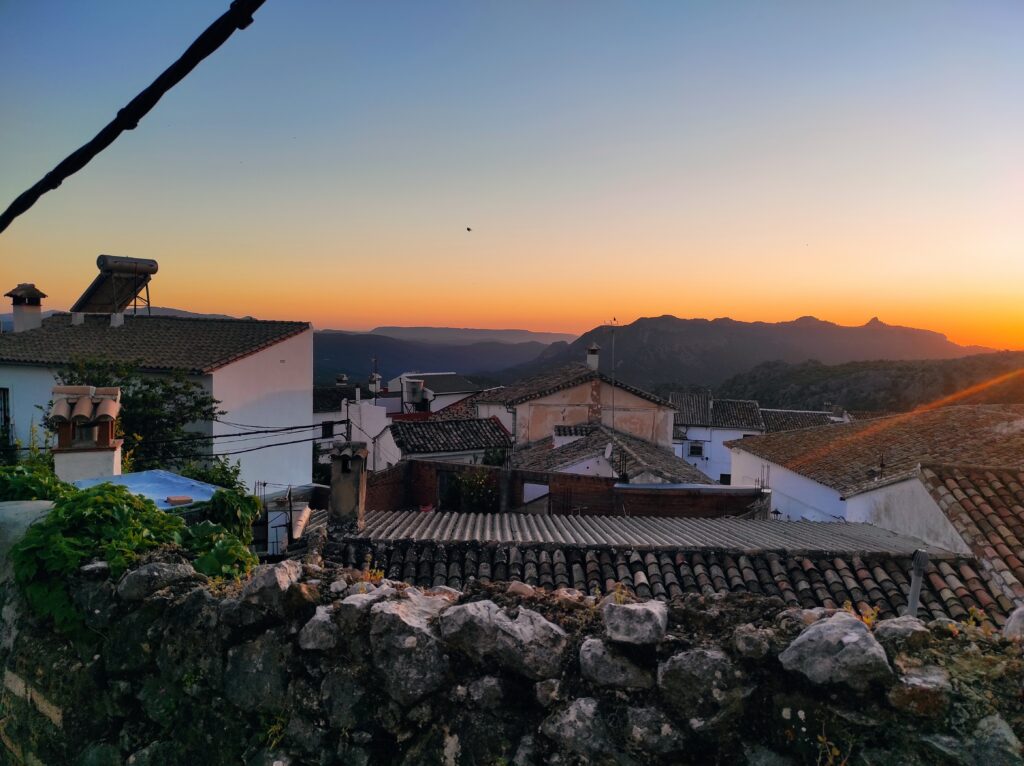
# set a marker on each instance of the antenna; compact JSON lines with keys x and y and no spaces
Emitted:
{"x":613,"y":323}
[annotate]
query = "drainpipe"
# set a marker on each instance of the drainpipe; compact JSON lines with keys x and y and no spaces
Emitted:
{"x":920,"y":563}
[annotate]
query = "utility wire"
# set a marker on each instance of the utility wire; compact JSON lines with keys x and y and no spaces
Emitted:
{"x":238,"y":16}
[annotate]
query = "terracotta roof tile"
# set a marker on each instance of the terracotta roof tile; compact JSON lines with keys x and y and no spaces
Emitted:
{"x":547,"y":383}
{"x":159,"y":343}
{"x":792,"y":420}
{"x":427,"y":436}
{"x":848,"y":456}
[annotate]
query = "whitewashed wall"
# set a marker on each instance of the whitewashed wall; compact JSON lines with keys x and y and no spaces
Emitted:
{"x":907,"y":508}
{"x":29,"y":387}
{"x":273,"y":387}
{"x":796,"y":496}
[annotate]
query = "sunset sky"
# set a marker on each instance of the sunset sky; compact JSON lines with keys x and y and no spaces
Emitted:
{"x":753,"y":160}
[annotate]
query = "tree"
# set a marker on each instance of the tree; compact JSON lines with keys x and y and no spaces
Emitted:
{"x":157,"y":411}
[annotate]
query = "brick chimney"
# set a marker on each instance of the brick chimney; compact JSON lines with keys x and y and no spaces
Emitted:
{"x":593,"y":356}
{"x":27,"y":303}
{"x":85,"y":418}
{"x":348,"y":482}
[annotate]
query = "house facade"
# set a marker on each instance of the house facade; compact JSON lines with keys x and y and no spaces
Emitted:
{"x":576,"y":395}
{"x":261,"y":372}
{"x":858,"y":471}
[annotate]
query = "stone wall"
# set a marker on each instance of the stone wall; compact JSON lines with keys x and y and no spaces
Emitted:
{"x":309,"y":664}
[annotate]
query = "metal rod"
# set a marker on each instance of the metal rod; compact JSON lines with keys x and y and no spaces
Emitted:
{"x":919,"y":565}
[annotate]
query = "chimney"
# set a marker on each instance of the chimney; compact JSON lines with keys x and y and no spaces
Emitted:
{"x":85,"y":418}
{"x":593,"y":356}
{"x":348,"y":482}
{"x":375,"y":387}
{"x":26,"y":300}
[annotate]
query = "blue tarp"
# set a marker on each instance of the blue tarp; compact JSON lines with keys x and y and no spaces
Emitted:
{"x":157,"y":486}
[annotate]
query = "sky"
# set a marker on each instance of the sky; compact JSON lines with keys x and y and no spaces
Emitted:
{"x":762,"y":161}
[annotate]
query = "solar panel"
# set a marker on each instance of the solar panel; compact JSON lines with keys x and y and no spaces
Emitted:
{"x":120,"y":283}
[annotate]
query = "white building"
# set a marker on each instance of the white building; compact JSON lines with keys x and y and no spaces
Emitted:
{"x":366,"y":420}
{"x":450,"y":441}
{"x":427,"y":391}
{"x":261,"y":372}
{"x":703,"y":424}
{"x":859,"y":471}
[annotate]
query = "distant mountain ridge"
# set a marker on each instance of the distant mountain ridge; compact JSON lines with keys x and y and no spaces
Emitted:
{"x":654,"y":351}
{"x":466,"y":335}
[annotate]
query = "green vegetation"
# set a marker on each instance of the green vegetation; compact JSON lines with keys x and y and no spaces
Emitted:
{"x":472,"y":491}
{"x":21,"y":482}
{"x":883,"y":385}
{"x":156,"y":411}
{"x":109,"y":523}
{"x":219,"y":471}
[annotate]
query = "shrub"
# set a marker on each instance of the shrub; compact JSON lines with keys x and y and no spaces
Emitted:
{"x":219,"y":471}
{"x":20,"y":482}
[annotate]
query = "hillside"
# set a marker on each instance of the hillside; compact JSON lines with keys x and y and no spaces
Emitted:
{"x":881,"y":385}
{"x":666,"y":349}
{"x":466,"y":335}
{"x":352,"y":354}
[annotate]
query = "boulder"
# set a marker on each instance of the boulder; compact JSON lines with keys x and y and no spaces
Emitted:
{"x":338,"y":588}
{"x":136,"y":584}
{"x":320,"y":633}
{"x":579,"y":728}
{"x":548,"y":692}
{"x":528,"y":645}
{"x":642,"y":624}
{"x":922,"y":692}
{"x":342,"y":697}
{"x":351,"y":609}
{"x":650,"y":730}
{"x":604,"y":666}
{"x":407,"y":650}
{"x":993,"y":743}
{"x":269,"y":584}
{"x":899,"y":633}
{"x":1013,"y":630}
{"x":487,"y":693}
{"x":751,"y":642}
{"x":696,"y":682}
{"x":521,"y":589}
{"x":838,"y":650}
{"x":256,"y":675}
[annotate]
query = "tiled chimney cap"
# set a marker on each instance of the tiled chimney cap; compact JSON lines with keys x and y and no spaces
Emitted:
{"x":85,"y":404}
{"x":26,"y":293}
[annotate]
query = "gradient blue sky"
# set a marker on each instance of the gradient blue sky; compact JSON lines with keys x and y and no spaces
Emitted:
{"x":756,"y":160}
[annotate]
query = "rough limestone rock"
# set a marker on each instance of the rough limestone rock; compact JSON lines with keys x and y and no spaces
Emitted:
{"x":320,"y":633}
{"x":602,"y":665}
{"x":342,"y":696}
{"x":640,"y":624}
{"x":149,"y":578}
{"x":648,"y":729}
{"x":529,"y":644}
{"x":1014,"y":627}
{"x":838,"y":650}
{"x":487,"y":693}
{"x":922,"y":691}
{"x":751,"y":642}
{"x":579,"y":728}
{"x":995,"y":744}
{"x":269,"y":585}
{"x":352,"y":609}
{"x":256,"y":676}
{"x":904,"y":632}
{"x":696,"y":682}
{"x":407,"y":650}
{"x":548,"y":692}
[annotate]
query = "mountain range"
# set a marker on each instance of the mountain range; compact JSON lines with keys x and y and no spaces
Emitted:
{"x":666,"y":350}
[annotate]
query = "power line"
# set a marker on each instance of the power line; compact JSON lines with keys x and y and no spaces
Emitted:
{"x":238,"y":16}
{"x":264,"y":446}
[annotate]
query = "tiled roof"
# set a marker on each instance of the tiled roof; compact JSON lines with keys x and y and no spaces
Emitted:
{"x":548,"y":383}
{"x":85,"y":404}
{"x":446,"y":382}
{"x":736,"y":413}
{"x":156,"y":343}
{"x":427,"y":436}
{"x":693,"y":408}
{"x":656,"y":533}
{"x":630,"y":455}
{"x":856,"y":457}
{"x":460,"y":410}
{"x":580,"y":429}
{"x":462,"y":550}
{"x":791,"y":420}
{"x":329,"y":398}
{"x":986,"y":506}
{"x":699,"y":408}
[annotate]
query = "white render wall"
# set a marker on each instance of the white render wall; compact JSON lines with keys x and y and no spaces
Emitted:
{"x":907,"y":508}
{"x":271,"y":388}
{"x":717,"y":458}
{"x":29,"y":387}
{"x":368,"y":424}
{"x":796,"y":496}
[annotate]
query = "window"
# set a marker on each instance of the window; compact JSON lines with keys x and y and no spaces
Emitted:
{"x":696,"y":449}
{"x":5,"y":409}
{"x":725,"y":478}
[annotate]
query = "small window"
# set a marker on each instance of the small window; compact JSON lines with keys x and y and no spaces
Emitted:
{"x":696,"y":449}
{"x":725,"y":478}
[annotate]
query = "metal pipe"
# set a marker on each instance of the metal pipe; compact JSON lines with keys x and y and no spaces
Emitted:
{"x":917,"y":576}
